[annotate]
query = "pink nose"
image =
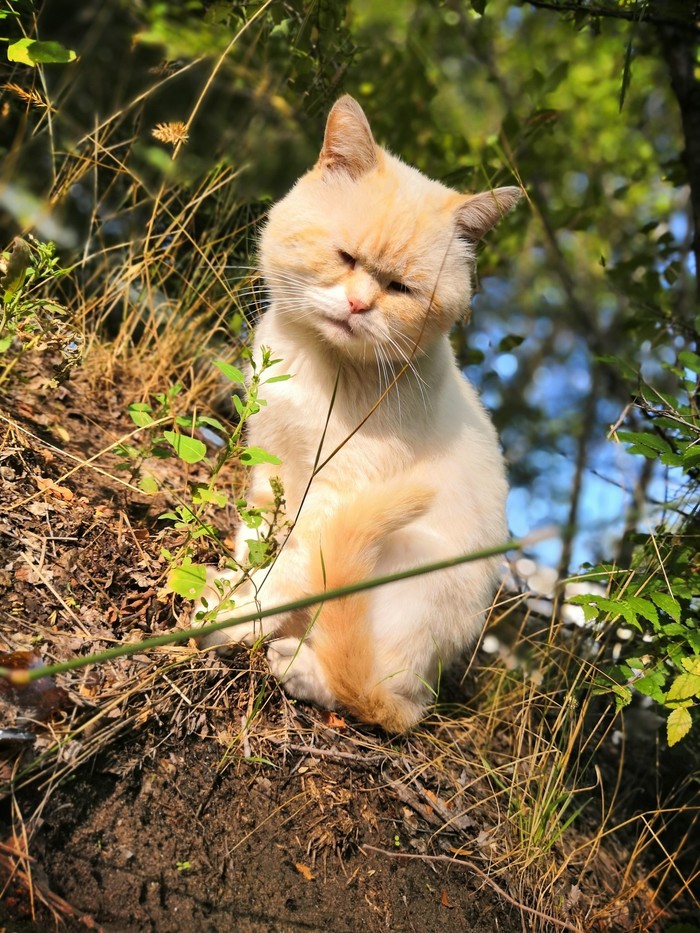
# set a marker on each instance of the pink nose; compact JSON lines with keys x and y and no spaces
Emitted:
{"x":357,"y":305}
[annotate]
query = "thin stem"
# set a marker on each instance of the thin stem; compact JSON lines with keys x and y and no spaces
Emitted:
{"x":21,"y":677}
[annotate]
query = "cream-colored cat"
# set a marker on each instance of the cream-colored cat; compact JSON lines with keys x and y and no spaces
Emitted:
{"x":368,"y":264}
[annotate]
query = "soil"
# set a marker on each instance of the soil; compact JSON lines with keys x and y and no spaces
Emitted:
{"x":178,"y":791}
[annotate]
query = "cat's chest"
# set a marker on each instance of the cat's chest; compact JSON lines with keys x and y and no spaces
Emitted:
{"x":307,"y":424}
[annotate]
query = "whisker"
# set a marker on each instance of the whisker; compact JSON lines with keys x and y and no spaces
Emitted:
{"x":410,"y":363}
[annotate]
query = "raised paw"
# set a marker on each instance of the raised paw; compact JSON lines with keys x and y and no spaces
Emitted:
{"x":295,"y":665}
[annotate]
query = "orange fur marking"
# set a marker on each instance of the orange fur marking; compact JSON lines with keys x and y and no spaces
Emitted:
{"x":341,"y":636}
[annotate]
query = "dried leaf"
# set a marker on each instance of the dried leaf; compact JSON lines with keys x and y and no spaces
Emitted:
{"x":31,"y":96}
{"x":304,"y":870}
{"x":573,"y":897}
{"x":445,"y":900}
{"x":60,"y":492}
{"x":333,"y":720}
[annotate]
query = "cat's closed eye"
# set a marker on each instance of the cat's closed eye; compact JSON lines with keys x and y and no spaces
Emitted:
{"x":399,"y":288}
{"x":347,"y":258}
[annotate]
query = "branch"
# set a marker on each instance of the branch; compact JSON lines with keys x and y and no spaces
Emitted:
{"x":631,"y":14}
{"x":680,"y":50}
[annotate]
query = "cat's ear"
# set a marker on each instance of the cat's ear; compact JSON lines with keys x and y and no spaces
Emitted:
{"x":348,"y":145}
{"x":480,"y":212}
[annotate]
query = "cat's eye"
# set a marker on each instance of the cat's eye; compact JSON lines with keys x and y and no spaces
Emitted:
{"x":347,"y":258}
{"x":399,"y":288}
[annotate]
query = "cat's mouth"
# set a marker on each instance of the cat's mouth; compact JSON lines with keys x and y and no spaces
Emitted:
{"x":340,"y":326}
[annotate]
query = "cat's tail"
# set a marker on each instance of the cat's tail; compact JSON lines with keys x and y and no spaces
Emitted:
{"x":341,"y":636}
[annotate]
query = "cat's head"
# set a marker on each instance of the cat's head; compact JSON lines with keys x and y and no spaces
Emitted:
{"x":367,"y":252}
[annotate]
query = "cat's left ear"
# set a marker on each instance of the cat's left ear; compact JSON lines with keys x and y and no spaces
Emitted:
{"x":480,"y":212}
{"x":348,"y":145}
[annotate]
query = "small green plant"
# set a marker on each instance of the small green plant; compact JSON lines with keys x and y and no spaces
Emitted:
{"x":187,"y":578}
{"x":164,"y":443}
{"x":29,"y":320}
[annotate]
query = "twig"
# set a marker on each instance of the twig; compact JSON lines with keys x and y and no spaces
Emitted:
{"x":245,"y":721}
{"x":563,"y":924}
{"x":328,"y":753}
{"x":410,"y":797}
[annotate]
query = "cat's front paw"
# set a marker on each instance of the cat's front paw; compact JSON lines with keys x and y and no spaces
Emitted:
{"x":296,"y":666}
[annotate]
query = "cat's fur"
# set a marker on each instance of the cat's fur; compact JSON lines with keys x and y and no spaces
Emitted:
{"x":368,"y":264}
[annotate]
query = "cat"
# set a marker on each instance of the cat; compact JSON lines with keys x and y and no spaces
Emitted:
{"x":368,"y":264}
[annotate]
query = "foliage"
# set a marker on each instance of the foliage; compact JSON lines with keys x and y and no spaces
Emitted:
{"x":658,"y":597}
{"x":29,"y":319}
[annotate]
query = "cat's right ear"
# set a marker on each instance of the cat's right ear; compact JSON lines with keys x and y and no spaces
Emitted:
{"x":480,"y":212}
{"x":348,"y":145}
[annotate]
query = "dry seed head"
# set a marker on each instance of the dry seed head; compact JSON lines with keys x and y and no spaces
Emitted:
{"x":30,"y":97}
{"x":173,"y":133}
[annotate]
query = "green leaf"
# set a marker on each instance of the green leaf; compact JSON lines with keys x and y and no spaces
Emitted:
{"x":690,"y":360}
{"x":187,"y":448}
{"x":188,"y":580}
{"x":210,"y":422}
{"x":204,"y":494}
{"x":644,"y":442}
{"x":32,"y":52}
{"x":148,"y":484}
{"x":277,"y":379}
{"x":281,"y":29}
{"x":684,"y":687}
{"x":678,"y":725}
{"x":627,"y":370}
{"x":644,"y":608}
{"x":618,"y":607}
{"x":471,"y":356}
{"x":626,"y":74}
{"x":612,"y":607}
{"x":231,"y":372}
{"x":667,"y":604}
{"x":623,"y":696}
{"x":509,"y":342}
{"x":651,"y":686}
{"x":254,"y":455}
{"x":140,"y":414}
{"x":691,"y":455}
{"x":691,"y":665}
{"x":258,"y":551}
{"x":17,"y":266}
